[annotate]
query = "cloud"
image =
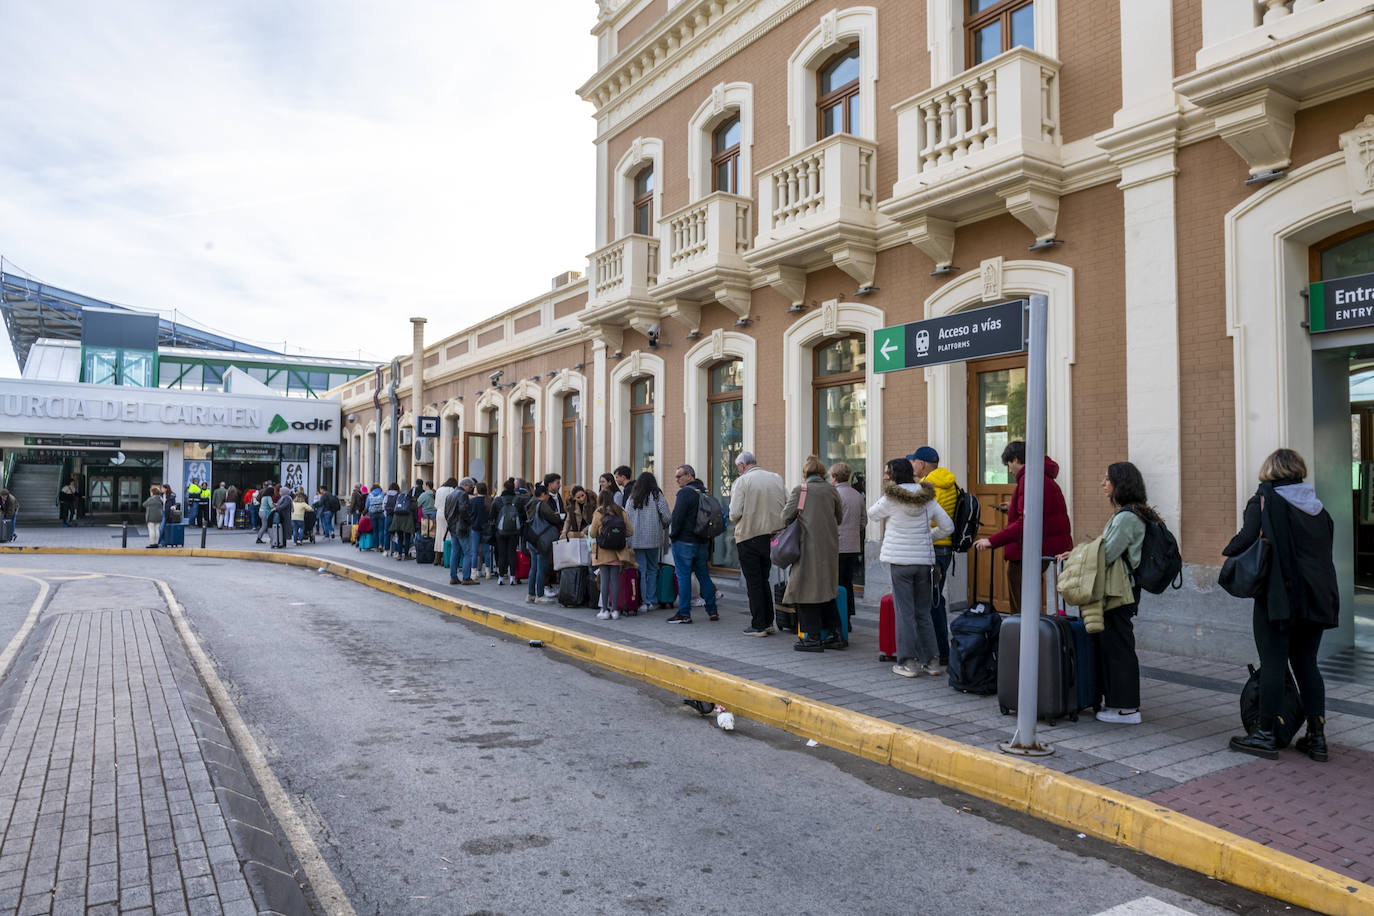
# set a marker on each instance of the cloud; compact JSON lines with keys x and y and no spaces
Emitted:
{"x":304,"y":173}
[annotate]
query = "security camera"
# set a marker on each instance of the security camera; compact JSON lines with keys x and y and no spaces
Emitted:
{"x":496,"y":377}
{"x":653,"y":335}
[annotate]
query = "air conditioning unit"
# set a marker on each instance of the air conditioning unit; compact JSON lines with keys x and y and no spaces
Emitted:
{"x":407,"y":435}
{"x":424,"y":450}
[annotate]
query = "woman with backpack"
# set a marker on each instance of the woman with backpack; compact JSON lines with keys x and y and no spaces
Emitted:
{"x":403,"y":512}
{"x":505,"y":532}
{"x":611,"y":552}
{"x":648,"y":515}
{"x":1123,"y":538}
{"x":913,"y":521}
{"x":1300,"y":600}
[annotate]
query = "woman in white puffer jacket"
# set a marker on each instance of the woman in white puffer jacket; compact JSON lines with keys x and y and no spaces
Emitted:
{"x":912,"y":522}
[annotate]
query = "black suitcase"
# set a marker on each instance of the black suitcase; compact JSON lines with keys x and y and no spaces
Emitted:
{"x":310,"y":520}
{"x":424,"y":550}
{"x":574,"y":586}
{"x":1058,"y":668}
{"x":973,"y":650}
{"x":784,"y":615}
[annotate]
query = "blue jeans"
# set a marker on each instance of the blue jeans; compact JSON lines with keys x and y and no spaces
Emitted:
{"x":298,"y":530}
{"x":691,"y":558}
{"x":648,"y":575}
{"x":489,"y":551}
{"x":539,"y":571}
{"x":938,"y":618}
{"x":384,"y":532}
{"x":327,"y":523}
{"x":472,"y":543}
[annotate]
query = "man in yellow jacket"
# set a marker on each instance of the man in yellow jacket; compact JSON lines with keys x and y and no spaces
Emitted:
{"x":925,"y":461}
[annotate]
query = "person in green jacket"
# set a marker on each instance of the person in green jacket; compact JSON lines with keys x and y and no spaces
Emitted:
{"x":925,"y":461}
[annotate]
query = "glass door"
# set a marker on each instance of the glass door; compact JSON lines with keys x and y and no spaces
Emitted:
{"x":130,"y":493}
{"x":100,"y":496}
{"x":997,"y":416}
{"x":479,"y":449}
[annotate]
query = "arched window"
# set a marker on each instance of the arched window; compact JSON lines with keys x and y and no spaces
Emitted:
{"x":572,"y":408}
{"x":837,"y":95}
{"x":526,"y":439}
{"x":725,"y":404}
{"x":644,"y":201}
{"x":725,"y":146}
{"x":840,"y":396}
{"x":994,"y":26}
{"x":642,"y":425}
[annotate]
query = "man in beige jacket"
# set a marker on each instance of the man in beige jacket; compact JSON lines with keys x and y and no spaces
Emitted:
{"x":756,"y":503}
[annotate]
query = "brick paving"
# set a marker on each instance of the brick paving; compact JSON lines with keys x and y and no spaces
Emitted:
{"x":106,"y":802}
{"x":1178,"y":756}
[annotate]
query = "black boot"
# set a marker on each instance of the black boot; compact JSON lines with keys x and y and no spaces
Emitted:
{"x":1313,"y":744}
{"x":809,"y":644}
{"x":1260,"y":742}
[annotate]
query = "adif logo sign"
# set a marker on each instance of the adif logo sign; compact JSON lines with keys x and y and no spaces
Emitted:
{"x":279,"y":424}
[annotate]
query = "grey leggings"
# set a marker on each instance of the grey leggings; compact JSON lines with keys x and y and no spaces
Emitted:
{"x":915,"y":632}
{"x":610,"y":586}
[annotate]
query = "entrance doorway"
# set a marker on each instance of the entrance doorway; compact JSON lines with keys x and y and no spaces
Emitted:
{"x":997,"y":416}
{"x":480,"y":448}
{"x":1348,"y":254}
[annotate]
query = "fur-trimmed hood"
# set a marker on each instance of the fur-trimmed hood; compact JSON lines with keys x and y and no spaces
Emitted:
{"x":914,"y":495}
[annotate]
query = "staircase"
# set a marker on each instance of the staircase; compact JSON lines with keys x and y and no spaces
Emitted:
{"x":36,"y":486}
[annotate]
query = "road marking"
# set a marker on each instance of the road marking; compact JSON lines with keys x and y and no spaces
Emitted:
{"x":7,"y":657}
{"x":1145,"y":906}
{"x":317,"y":871}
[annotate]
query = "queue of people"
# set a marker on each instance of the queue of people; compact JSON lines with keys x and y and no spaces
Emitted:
{"x":631,"y":530}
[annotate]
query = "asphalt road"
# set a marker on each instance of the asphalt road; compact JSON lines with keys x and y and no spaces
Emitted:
{"x":444,"y":769}
{"x":16,"y":597}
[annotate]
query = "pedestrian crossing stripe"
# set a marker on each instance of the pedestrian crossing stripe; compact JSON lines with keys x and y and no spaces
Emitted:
{"x":1145,"y":906}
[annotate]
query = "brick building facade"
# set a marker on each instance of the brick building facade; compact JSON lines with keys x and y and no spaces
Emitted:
{"x":776,"y":179}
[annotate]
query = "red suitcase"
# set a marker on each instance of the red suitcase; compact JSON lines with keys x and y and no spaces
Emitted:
{"x":522,"y":565}
{"x":629,"y":592}
{"x":887,"y":631}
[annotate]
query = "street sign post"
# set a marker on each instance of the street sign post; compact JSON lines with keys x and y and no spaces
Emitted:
{"x":992,"y":331}
{"x":1009,"y":327}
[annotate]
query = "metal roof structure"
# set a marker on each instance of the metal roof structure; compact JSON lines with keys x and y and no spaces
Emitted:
{"x":33,"y":310}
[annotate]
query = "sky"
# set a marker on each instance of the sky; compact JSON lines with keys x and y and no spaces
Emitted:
{"x":308,"y":174}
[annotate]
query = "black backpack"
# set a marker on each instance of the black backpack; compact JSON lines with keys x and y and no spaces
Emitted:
{"x":710,"y":518}
{"x":612,"y":533}
{"x":967,"y":518}
{"x":508,"y":519}
{"x":974,"y":639}
{"x":1161,"y":565}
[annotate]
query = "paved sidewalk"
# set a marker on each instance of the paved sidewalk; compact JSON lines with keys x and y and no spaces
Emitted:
{"x":113,"y":766}
{"x":1178,"y":756}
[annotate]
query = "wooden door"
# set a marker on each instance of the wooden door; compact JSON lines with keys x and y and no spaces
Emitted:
{"x":997,"y":415}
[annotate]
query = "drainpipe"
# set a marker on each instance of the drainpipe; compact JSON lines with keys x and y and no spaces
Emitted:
{"x":395,"y":416}
{"x":417,"y":389}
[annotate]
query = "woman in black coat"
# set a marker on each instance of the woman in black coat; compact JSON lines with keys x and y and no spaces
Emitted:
{"x":1302,"y":599}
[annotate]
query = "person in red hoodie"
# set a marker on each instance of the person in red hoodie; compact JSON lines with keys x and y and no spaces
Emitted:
{"x":1057,"y":536}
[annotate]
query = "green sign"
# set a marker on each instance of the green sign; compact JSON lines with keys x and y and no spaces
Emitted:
{"x":1341,"y":304}
{"x":889,"y":348}
{"x":277,"y":425}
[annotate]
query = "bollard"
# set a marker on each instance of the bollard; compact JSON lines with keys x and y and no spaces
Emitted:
{"x":124,"y":535}
{"x":202,"y":537}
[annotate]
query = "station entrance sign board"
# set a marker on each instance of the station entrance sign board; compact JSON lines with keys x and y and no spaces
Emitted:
{"x":977,"y":333}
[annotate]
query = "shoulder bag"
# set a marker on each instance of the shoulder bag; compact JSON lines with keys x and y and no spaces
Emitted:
{"x":786,"y":548}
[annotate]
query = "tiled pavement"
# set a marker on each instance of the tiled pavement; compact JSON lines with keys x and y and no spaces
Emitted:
{"x":109,"y":802}
{"x":1178,"y":756}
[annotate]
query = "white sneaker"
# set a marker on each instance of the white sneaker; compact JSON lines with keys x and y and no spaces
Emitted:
{"x":603,"y":614}
{"x":1119,"y":716}
{"x":908,"y":668}
{"x":615,"y":615}
{"x":550,"y":593}
{"x":933,"y":669}
{"x":645,"y":608}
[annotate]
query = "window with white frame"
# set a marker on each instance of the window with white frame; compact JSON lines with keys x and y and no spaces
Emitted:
{"x":832,"y":77}
{"x":725,"y":143}
{"x":837,"y":95}
{"x":644,"y":201}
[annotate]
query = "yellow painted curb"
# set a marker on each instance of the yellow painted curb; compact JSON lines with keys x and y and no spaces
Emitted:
{"x":1012,"y":782}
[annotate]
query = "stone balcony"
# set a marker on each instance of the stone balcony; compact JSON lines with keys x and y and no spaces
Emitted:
{"x":702,"y":249}
{"x":1267,"y":58}
{"x":620,"y":277}
{"x":987,"y":140}
{"x":818,"y":208}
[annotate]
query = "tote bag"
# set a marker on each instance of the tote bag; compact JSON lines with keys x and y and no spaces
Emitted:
{"x":570,"y":552}
{"x":786,"y":548}
{"x":1246,"y":575}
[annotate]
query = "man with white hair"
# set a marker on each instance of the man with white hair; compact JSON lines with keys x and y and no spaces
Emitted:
{"x":756,"y":503}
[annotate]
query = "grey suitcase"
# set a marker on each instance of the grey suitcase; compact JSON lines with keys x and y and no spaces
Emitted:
{"x":1058,"y":669}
